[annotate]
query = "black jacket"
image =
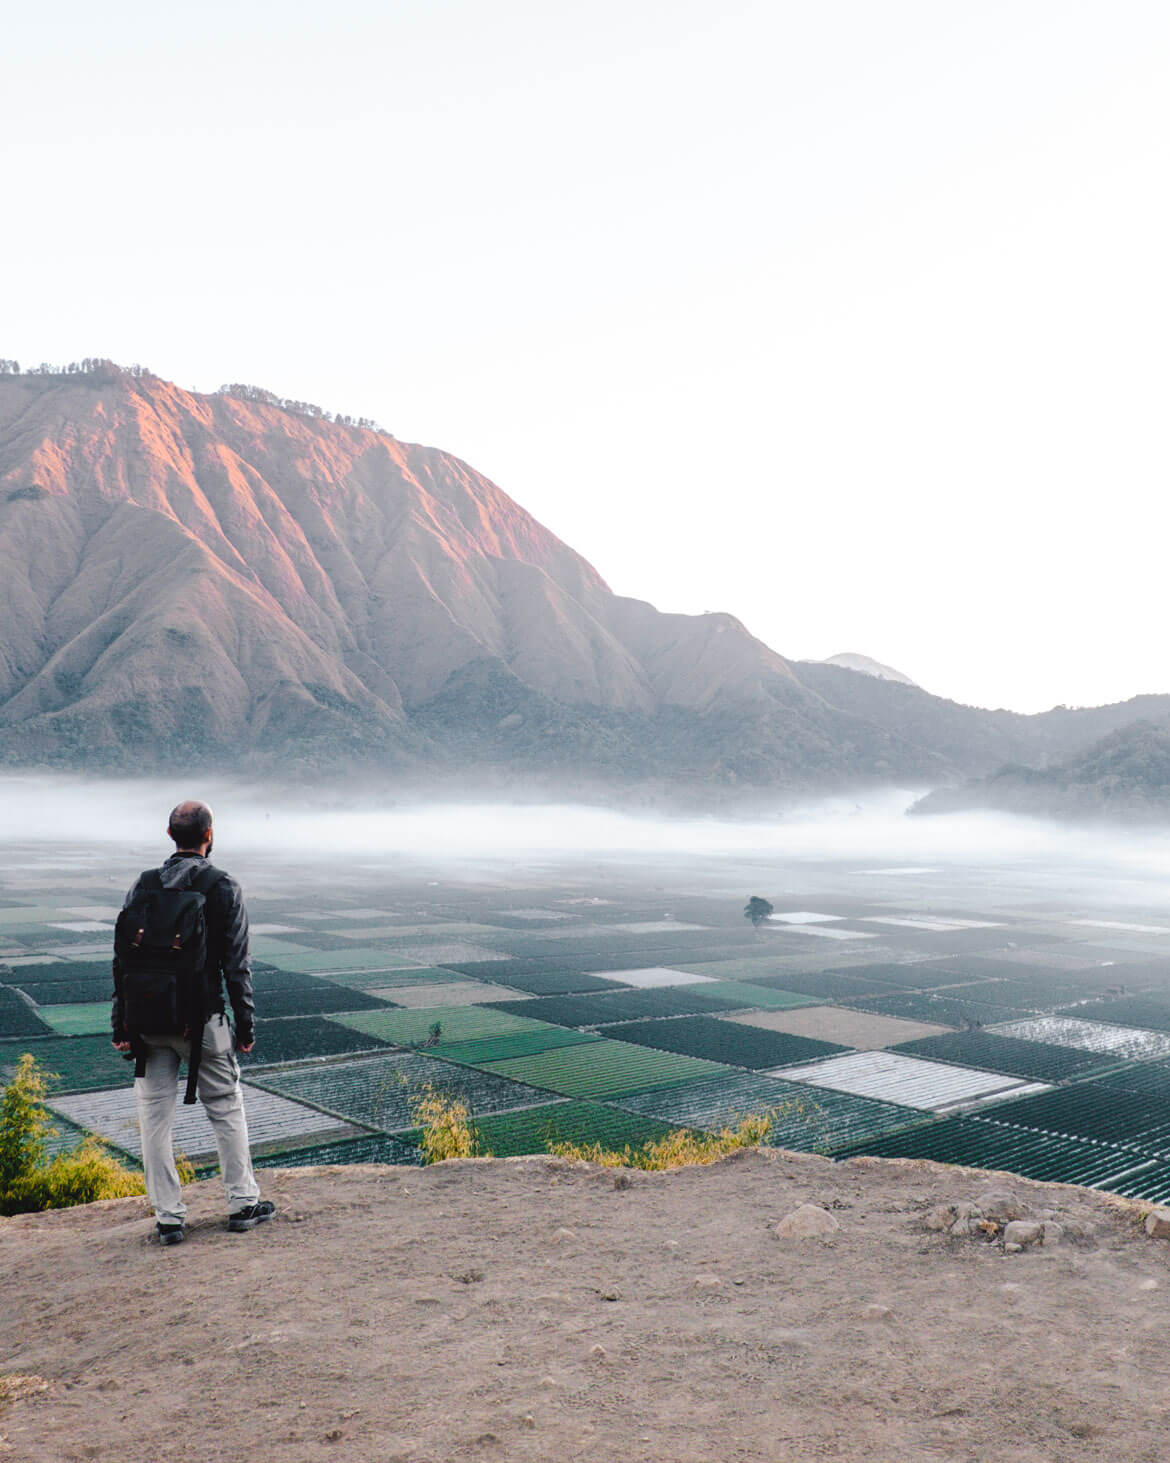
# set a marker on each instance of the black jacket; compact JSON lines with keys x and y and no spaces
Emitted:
{"x":227,"y":934}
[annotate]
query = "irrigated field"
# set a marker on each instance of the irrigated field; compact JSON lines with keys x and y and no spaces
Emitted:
{"x":884,"y":1011}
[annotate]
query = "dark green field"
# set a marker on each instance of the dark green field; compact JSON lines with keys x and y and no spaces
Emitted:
{"x":572,"y":1000}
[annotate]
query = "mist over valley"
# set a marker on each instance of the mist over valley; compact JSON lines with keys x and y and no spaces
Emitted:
{"x":235,"y":583}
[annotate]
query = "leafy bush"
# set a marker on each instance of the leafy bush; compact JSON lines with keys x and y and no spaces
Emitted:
{"x":31,"y":1181}
{"x":679,"y":1149}
{"x":446,"y":1126}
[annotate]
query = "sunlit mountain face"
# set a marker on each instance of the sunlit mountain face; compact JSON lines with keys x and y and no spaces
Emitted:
{"x":252,"y":584}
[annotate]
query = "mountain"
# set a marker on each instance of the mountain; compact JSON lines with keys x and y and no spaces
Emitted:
{"x":970,"y":738}
{"x":230,"y":581}
{"x":1123,"y":776}
{"x":850,"y":661}
{"x":219,"y":578}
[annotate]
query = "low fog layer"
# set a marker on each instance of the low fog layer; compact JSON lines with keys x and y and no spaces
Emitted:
{"x":131,"y":815}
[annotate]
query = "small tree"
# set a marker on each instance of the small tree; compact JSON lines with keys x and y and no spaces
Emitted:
{"x":24,"y":1125}
{"x":757,"y":910}
{"x":29,"y":1179}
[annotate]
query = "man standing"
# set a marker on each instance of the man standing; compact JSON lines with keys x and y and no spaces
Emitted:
{"x":182,"y":935}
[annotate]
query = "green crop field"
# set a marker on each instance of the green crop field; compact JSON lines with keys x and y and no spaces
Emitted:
{"x":37,"y":915}
{"x":989,"y":992}
{"x":297,"y":1038}
{"x":371,"y":1148}
{"x":536,"y":979}
{"x":1152,"y":1078}
{"x":809,"y":1120}
{"x":290,"y":956}
{"x":512,"y":1044}
{"x":382,"y":1091}
{"x":456,"y":1023}
{"x":769,"y":969}
{"x":1009,"y":1054}
{"x":738,"y":995}
{"x":599,"y":1053}
{"x":1151,"y":1182}
{"x":980,"y":1143}
{"x":82,"y":1063}
{"x":60,"y":992}
{"x":17,"y":1018}
{"x":724,"y":1041}
{"x":78,"y":1020}
{"x":622,"y":1005}
{"x":919,"y":1006}
{"x":1079,"y":1111}
{"x":308,"y":996}
{"x":604,"y":1069}
{"x":364,"y":980}
{"x":1150,"y":1012}
{"x":538,"y":1129}
{"x":817,"y":985}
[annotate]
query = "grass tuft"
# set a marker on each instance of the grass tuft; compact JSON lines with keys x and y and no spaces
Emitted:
{"x":682,"y":1148}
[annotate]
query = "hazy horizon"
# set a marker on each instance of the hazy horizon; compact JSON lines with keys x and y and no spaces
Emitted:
{"x":872,"y":836}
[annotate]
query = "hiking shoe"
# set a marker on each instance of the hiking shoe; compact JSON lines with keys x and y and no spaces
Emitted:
{"x":169,"y":1234}
{"x":250,"y":1217}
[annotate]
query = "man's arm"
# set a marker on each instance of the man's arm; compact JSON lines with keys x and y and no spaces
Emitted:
{"x":236,"y":962}
{"x":119,"y":1035}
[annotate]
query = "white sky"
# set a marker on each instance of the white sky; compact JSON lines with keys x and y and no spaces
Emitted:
{"x":849,"y":317}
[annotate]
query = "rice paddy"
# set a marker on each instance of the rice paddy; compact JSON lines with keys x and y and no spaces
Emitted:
{"x":584,"y":1007}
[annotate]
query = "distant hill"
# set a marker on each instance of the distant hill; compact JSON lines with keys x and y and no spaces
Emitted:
{"x":1124,"y":776}
{"x":232,"y":581}
{"x":850,"y":661}
{"x":222,"y":578}
{"x":970,"y":737}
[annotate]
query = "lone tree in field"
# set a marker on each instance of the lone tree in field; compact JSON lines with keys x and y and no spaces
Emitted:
{"x":757,"y":910}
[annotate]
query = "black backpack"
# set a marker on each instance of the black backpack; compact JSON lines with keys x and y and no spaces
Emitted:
{"x":161,"y":944}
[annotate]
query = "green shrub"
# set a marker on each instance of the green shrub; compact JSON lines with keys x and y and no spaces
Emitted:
{"x":678,"y":1149}
{"x":446,"y":1126}
{"x":31,"y":1181}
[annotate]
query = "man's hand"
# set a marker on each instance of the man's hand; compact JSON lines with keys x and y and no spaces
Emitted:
{"x":122,"y":1046}
{"x":246,"y":1049}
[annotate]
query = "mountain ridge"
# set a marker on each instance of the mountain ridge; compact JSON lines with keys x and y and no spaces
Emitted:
{"x":229,"y":580}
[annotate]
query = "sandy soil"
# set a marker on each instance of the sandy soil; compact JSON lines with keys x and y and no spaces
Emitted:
{"x":858,"y":1029}
{"x":537,"y":1310}
{"x":447,"y":993}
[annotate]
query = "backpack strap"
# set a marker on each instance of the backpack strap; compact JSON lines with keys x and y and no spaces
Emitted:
{"x":203,"y":883}
{"x":151,"y":879}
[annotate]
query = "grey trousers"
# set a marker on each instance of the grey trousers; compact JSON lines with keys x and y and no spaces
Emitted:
{"x":219,"y":1091}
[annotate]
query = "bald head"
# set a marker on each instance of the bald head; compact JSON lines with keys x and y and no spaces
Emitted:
{"x":190,"y":826}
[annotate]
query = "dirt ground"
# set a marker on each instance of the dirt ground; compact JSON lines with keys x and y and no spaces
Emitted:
{"x":858,"y":1029}
{"x":533,"y":1309}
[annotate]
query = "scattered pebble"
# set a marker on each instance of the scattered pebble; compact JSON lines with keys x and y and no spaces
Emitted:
{"x":528,"y":1420}
{"x":562,"y":1236}
{"x":598,"y":1352}
{"x":708,"y":1282}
